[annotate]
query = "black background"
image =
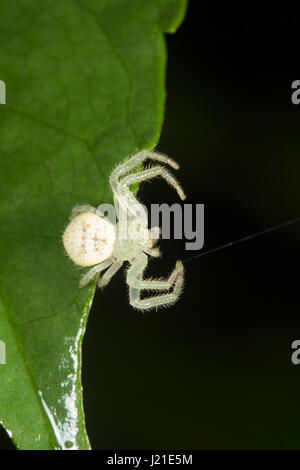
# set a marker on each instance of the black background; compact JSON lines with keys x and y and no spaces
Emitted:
{"x":215,"y":370}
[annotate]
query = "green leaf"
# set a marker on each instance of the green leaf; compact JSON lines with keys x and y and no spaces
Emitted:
{"x":84,"y":89}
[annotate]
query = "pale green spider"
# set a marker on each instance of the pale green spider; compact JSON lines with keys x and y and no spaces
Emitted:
{"x":91,"y":240}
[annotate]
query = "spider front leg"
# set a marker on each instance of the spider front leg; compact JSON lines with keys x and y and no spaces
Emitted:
{"x":128,"y":201}
{"x":136,"y":283}
{"x":135,"y":160}
{"x":147,"y":175}
{"x":94,"y":270}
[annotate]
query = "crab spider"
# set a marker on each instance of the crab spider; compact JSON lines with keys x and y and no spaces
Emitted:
{"x":91,"y":240}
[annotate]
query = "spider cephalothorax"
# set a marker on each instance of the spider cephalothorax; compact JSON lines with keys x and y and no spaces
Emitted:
{"x":90,"y":239}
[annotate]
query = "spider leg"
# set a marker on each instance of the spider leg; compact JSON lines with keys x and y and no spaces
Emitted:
{"x":137,"y":284}
{"x":147,"y":175}
{"x":155,"y":233}
{"x":155,"y":252}
{"x":127,"y":200}
{"x":159,"y":300}
{"x":139,"y":158}
{"x":135,"y":272}
{"x":94,"y":270}
{"x":129,"y":203}
{"x":104,"y":280}
{"x":82,"y":208}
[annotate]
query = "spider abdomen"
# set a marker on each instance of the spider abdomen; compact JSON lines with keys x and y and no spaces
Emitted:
{"x":89,"y":239}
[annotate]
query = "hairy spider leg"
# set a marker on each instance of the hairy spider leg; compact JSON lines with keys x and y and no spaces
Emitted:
{"x":155,"y":252}
{"x":137,"y":268}
{"x":96,"y":269}
{"x":104,"y":280}
{"x":147,"y":175}
{"x":130,"y":163}
{"x":131,"y":204}
{"x":137,"y":284}
{"x":127,"y":200}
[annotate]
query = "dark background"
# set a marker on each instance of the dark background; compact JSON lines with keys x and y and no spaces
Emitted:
{"x":215,"y":370}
